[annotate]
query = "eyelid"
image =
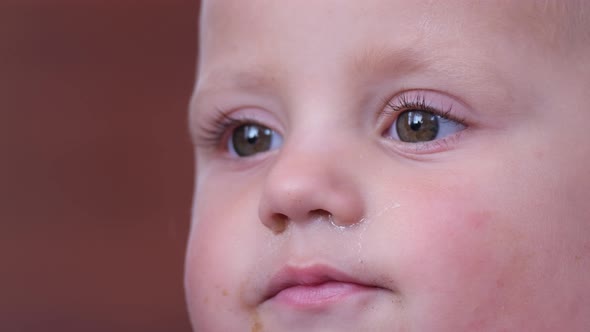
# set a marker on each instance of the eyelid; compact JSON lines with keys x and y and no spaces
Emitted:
{"x":214,"y":127}
{"x":438,"y":103}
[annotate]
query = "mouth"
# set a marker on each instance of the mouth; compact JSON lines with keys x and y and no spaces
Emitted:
{"x":314,"y":286}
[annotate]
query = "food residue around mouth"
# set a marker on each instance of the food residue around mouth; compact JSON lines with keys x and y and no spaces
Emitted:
{"x":256,"y":324}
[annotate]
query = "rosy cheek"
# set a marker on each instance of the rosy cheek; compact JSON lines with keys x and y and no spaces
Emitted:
{"x":479,"y":221}
{"x":462,"y":258}
{"x":456,"y":244}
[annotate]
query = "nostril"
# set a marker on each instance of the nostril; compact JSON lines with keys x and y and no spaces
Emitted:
{"x":320,"y":214}
{"x":279,"y":223}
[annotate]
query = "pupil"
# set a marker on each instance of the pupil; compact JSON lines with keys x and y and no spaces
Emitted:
{"x":416,"y":121}
{"x":252,"y":135}
{"x":251,"y":139}
{"x":415,"y":126}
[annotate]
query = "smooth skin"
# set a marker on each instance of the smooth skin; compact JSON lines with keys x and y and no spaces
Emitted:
{"x":484,"y":229}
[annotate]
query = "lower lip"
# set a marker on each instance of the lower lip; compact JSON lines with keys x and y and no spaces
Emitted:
{"x":318,"y":295}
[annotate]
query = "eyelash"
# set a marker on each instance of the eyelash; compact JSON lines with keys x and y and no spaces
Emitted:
{"x":213,"y":133}
{"x":418,"y":101}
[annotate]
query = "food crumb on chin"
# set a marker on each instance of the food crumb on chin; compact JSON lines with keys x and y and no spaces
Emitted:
{"x":256,"y":324}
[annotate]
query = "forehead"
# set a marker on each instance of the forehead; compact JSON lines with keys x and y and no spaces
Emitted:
{"x":229,"y":25}
{"x":543,"y":18}
{"x":265,"y":36}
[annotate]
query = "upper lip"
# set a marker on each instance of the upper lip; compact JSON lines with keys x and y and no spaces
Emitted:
{"x":290,"y":276}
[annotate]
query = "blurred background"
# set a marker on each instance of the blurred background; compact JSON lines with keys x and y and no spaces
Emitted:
{"x":95,"y":163}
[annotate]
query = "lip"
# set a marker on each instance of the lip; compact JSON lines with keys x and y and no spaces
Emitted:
{"x":313,"y":286}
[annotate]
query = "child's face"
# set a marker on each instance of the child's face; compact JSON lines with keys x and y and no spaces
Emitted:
{"x":390,"y":166}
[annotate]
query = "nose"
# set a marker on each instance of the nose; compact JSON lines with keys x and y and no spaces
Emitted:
{"x":303,"y":186}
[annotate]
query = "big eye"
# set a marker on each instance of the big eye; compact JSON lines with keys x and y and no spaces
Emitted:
{"x":250,"y":139}
{"x":414,"y":126}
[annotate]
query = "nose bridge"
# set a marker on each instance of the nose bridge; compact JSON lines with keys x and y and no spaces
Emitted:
{"x":310,"y":179}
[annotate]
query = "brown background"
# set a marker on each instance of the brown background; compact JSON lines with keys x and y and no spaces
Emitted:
{"x":95,"y":163}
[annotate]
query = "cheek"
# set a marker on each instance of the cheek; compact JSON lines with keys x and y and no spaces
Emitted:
{"x":223,"y":230}
{"x":498,"y":244}
{"x":460,"y":246}
{"x":462,"y":256}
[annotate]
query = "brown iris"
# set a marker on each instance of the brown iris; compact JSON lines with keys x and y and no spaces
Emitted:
{"x":417,"y":126}
{"x":251,"y":139}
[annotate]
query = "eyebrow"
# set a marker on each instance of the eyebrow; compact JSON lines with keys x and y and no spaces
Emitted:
{"x":255,"y":78}
{"x":262,"y":78}
{"x":372,"y":64}
{"x":386,"y":60}
{"x":469,"y":79}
